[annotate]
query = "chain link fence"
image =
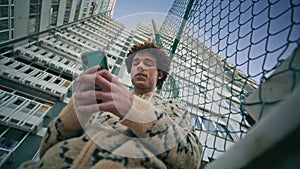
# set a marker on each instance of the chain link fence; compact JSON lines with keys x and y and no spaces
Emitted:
{"x":222,"y":51}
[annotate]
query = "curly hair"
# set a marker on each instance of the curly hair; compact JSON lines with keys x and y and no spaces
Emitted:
{"x":163,"y":60}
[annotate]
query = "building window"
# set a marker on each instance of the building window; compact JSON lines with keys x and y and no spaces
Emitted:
{"x":3,"y":11}
{"x":4,"y":2}
{"x":4,"y":36}
{"x":3,"y":24}
{"x":196,"y":122}
{"x":115,"y":70}
{"x":214,"y":128}
{"x":123,"y":53}
{"x":232,"y":106}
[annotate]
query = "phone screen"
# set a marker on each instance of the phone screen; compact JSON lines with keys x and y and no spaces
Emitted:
{"x":94,"y":58}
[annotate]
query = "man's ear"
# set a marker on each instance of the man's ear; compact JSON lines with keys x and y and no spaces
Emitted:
{"x":160,"y":75}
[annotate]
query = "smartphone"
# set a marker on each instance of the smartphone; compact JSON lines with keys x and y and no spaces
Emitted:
{"x":94,"y":58}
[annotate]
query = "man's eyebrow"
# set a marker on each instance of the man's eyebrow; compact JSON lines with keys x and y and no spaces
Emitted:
{"x":148,"y":59}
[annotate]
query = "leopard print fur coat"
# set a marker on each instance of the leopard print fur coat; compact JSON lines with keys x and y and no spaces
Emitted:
{"x":165,"y":140}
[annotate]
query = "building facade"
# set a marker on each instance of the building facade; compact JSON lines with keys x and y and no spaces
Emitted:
{"x":37,"y":75}
{"x":204,"y":81}
{"x":22,"y":18}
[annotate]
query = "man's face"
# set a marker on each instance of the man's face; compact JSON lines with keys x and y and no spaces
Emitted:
{"x":144,"y":73}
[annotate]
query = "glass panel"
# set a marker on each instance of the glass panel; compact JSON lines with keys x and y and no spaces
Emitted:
{"x":33,"y":9}
{"x":4,"y":36}
{"x":196,"y":122}
{"x":12,"y":23}
{"x":3,"y":11}
{"x":34,"y":1}
{"x":3,"y":24}
{"x":232,"y":106}
{"x":209,"y":125}
{"x":221,"y":130}
{"x":12,"y":11}
{"x":3,"y":2}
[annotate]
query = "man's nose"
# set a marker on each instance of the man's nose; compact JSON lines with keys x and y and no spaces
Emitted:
{"x":140,"y":67}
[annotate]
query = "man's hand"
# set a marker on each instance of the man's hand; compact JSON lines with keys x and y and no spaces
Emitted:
{"x":115,"y":97}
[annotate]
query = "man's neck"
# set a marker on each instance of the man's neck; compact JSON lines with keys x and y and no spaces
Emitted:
{"x":141,"y":92}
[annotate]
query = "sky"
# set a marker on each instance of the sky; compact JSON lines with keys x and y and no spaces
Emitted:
{"x":130,"y":12}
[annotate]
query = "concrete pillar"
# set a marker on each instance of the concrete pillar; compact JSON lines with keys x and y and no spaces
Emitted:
{"x":21,"y":14}
{"x":73,"y":10}
{"x":61,"y":12}
{"x":81,"y":9}
{"x":45,"y":15}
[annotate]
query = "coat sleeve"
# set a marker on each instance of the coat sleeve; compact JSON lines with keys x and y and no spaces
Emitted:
{"x":64,"y":126}
{"x":166,"y":130}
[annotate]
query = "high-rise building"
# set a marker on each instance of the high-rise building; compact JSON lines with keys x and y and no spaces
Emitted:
{"x":37,"y":75}
{"x":21,"y":18}
{"x":211,"y":96}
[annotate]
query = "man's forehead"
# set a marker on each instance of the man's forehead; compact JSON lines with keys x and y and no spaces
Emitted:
{"x":144,"y":55}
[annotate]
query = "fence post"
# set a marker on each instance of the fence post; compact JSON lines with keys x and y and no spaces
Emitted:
{"x":182,"y":25}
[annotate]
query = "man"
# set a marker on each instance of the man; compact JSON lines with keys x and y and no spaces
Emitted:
{"x":136,"y":129}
